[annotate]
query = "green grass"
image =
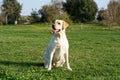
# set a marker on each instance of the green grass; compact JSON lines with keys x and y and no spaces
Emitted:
{"x":94,"y":53}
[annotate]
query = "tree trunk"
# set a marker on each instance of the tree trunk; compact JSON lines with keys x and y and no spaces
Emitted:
{"x":6,"y":19}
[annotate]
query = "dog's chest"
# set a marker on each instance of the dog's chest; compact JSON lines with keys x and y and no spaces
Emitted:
{"x":59,"y":41}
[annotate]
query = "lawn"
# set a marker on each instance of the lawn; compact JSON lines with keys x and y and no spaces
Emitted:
{"x":94,"y":53}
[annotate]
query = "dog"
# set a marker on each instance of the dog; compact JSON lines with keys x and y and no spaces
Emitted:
{"x":56,"y":53}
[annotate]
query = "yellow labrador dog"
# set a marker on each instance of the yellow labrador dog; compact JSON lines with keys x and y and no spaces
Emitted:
{"x":57,"y":52}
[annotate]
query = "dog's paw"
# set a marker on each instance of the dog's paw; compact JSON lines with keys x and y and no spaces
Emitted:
{"x":69,"y":68}
{"x":46,"y":66}
{"x":49,"y":69}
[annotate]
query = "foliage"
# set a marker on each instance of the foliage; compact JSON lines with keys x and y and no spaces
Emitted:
{"x":65,"y":16}
{"x":57,"y":3}
{"x":35,"y":16}
{"x":2,"y":19}
{"x":94,"y":53}
{"x":25,"y":20}
{"x":81,"y":10}
{"x":100,"y":16}
{"x":111,"y":16}
{"x":49,"y":13}
{"x":11,"y":10}
{"x":54,"y":11}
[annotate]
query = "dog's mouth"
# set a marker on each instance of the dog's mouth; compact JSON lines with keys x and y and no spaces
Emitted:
{"x":54,"y":31}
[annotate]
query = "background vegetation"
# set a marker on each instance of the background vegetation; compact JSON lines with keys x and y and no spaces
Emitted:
{"x":11,"y":11}
{"x":79,"y":11}
{"x":111,"y":15}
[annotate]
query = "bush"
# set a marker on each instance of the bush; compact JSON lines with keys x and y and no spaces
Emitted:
{"x":49,"y":13}
{"x":65,"y":16}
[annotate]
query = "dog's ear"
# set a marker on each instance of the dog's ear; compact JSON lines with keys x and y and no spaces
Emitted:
{"x":65,"y":24}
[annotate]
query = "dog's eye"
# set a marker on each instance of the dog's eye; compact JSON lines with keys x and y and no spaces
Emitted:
{"x":59,"y":23}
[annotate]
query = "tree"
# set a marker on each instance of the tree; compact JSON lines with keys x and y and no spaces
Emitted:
{"x":81,"y":10}
{"x":11,"y":10}
{"x":54,"y":11}
{"x":2,"y":19}
{"x":113,"y":11}
{"x":58,"y":3}
{"x":49,"y":13}
{"x":35,"y":16}
{"x":100,"y":15}
{"x":112,"y":14}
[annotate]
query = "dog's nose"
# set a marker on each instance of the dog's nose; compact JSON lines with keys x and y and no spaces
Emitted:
{"x":53,"y":26}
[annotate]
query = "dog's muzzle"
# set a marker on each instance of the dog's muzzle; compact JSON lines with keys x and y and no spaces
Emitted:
{"x":54,"y":31}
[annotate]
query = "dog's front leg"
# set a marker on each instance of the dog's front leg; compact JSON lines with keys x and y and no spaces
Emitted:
{"x":67,"y":61}
{"x":50,"y":59}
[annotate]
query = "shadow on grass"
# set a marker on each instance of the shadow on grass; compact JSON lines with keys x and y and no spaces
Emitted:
{"x":24,"y":64}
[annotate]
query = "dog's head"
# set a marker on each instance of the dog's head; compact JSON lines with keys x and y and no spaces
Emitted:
{"x":58,"y":26}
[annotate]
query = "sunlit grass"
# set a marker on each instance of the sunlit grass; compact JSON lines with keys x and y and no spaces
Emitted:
{"x":94,"y":53}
